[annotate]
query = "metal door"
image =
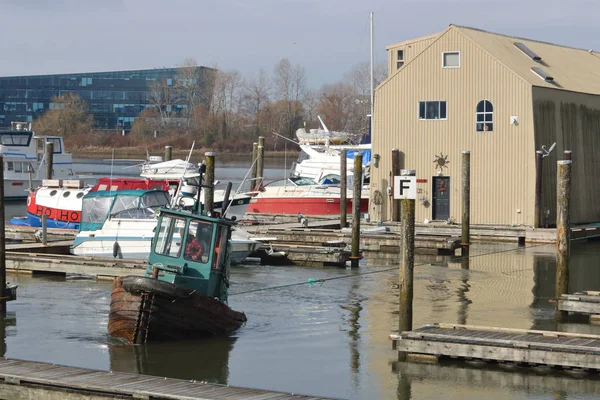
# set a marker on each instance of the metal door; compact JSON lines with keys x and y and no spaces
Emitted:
{"x":441,"y":198}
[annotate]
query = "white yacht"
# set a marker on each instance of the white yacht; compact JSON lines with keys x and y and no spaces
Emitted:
{"x":25,"y":163}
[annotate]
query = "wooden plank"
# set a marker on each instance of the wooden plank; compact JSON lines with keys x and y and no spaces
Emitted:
{"x":512,"y":354}
{"x":512,"y":330}
{"x":508,"y":342}
{"x":69,"y":379}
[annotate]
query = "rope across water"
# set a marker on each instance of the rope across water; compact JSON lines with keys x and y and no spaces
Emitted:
{"x":312,"y":281}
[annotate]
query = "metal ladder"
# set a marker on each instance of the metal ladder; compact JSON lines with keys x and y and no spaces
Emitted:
{"x":143,"y":319}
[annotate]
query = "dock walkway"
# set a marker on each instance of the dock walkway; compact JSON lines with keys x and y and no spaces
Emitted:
{"x":587,"y":302}
{"x":530,"y":347}
{"x":27,"y":379}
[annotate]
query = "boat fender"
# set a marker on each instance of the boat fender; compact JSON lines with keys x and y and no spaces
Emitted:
{"x":116,"y":249}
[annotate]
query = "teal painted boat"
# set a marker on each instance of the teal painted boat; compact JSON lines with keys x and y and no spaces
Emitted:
{"x":183,"y":293}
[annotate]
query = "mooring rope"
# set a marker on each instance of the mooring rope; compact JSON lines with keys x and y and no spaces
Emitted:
{"x":312,"y":281}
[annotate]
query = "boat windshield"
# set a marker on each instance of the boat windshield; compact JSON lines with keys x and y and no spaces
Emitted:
{"x":15,"y":139}
{"x":170,"y":234}
{"x":301,"y":181}
{"x":95,"y":209}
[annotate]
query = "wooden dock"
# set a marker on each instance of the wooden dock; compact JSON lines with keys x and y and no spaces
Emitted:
{"x":388,"y":242}
{"x":524,"y":347}
{"x":587,"y":302}
{"x":26,"y":379}
{"x":274,"y":253}
{"x":67,"y":264}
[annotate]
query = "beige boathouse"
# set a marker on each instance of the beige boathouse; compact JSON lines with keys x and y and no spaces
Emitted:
{"x":501,"y":98}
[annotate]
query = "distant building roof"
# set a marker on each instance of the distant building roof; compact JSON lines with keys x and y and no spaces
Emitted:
{"x":570,"y":68}
{"x":415,"y":40}
{"x":547,"y":65}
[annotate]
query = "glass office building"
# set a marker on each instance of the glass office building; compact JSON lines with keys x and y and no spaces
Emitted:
{"x":114,"y":98}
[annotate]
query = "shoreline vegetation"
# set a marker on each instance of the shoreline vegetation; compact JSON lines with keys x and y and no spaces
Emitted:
{"x":138,"y":153}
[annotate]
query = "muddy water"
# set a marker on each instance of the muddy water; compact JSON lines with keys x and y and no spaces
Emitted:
{"x":329,"y":339}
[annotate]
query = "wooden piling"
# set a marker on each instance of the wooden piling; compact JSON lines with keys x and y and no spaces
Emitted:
{"x":563,"y":231}
{"x":254,"y":166}
{"x":356,"y":196}
{"x":343,"y":189}
{"x":567,"y":155}
{"x":466,"y":203}
{"x":49,"y":156}
{"x":2,"y":242}
{"x":537,"y":208}
{"x":29,"y":176}
{"x":44,"y":229}
{"x":209,"y":187}
{"x":168,"y":153}
{"x":260,"y":162}
{"x":407,"y":259}
{"x":395,"y":172}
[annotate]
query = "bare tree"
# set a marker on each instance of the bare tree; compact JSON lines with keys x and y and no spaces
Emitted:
{"x":336,"y":105}
{"x":256,"y":97}
{"x":163,"y":99}
{"x":191,"y":88}
{"x":290,"y":86}
{"x":71,"y":117}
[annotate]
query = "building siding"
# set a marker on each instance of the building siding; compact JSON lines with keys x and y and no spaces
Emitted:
{"x":411,"y":50}
{"x":572,"y":120}
{"x":502,"y":162}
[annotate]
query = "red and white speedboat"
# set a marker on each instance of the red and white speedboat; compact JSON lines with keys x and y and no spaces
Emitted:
{"x":302,"y":195}
{"x":60,"y":200}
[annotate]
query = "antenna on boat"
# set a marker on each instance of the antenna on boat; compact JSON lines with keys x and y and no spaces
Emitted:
{"x":226,"y":204}
{"x":372,"y":61}
{"x":112,"y":161}
{"x":182,"y":179}
{"x":286,"y":138}
{"x":323,"y":124}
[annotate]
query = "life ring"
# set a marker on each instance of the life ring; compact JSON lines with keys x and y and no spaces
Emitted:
{"x":164,"y":289}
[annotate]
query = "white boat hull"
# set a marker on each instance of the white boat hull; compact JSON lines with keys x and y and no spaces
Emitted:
{"x":134,"y":238}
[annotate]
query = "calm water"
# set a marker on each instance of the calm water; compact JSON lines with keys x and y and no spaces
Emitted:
{"x":331,"y":339}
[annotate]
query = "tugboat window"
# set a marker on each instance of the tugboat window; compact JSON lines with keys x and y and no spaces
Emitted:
{"x":170,"y":236}
{"x":197,"y":244}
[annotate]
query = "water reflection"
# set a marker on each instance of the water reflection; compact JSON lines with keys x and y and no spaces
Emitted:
{"x":201,"y":360}
{"x":354,"y":309}
{"x":505,"y":287}
{"x":491,"y":381}
{"x":462,"y":291}
{"x":6,"y":321}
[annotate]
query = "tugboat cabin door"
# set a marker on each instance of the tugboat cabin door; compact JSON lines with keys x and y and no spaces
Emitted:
{"x":441,"y":198}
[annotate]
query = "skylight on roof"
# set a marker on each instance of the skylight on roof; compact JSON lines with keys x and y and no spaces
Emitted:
{"x":528,"y":52}
{"x":542,"y":74}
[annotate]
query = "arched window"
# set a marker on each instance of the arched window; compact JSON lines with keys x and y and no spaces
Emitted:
{"x":485,"y":116}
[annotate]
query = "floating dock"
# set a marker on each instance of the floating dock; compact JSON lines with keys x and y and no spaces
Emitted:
{"x":26,"y":379}
{"x":524,"y":347}
{"x":388,"y":242}
{"x":108,"y":268}
{"x":274,"y":253}
{"x":587,"y":302}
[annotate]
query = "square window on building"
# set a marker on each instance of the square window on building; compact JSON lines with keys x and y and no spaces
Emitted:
{"x":399,"y":58}
{"x":451,"y":59}
{"x":432,"y":110}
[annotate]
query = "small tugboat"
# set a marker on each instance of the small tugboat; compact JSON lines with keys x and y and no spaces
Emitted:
{"x":183,"y":293}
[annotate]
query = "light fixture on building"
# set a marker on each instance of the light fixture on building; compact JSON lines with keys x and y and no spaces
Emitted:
{"x":376,"y":158}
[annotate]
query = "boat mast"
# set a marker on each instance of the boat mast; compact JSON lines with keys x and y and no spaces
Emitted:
{"x":372,"y":105}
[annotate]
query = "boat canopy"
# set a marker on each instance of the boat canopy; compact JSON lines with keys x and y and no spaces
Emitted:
{"x":98,"y":206}
{"x":366,"y":155}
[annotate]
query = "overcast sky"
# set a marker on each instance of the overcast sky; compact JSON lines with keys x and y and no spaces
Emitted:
{"x":326,"y":37}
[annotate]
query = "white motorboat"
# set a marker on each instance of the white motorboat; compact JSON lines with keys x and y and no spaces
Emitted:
{"x":121,"y":224}
{"x":178,"y":171}
{"x":25,"y":163}
{"x":316,"y":162}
